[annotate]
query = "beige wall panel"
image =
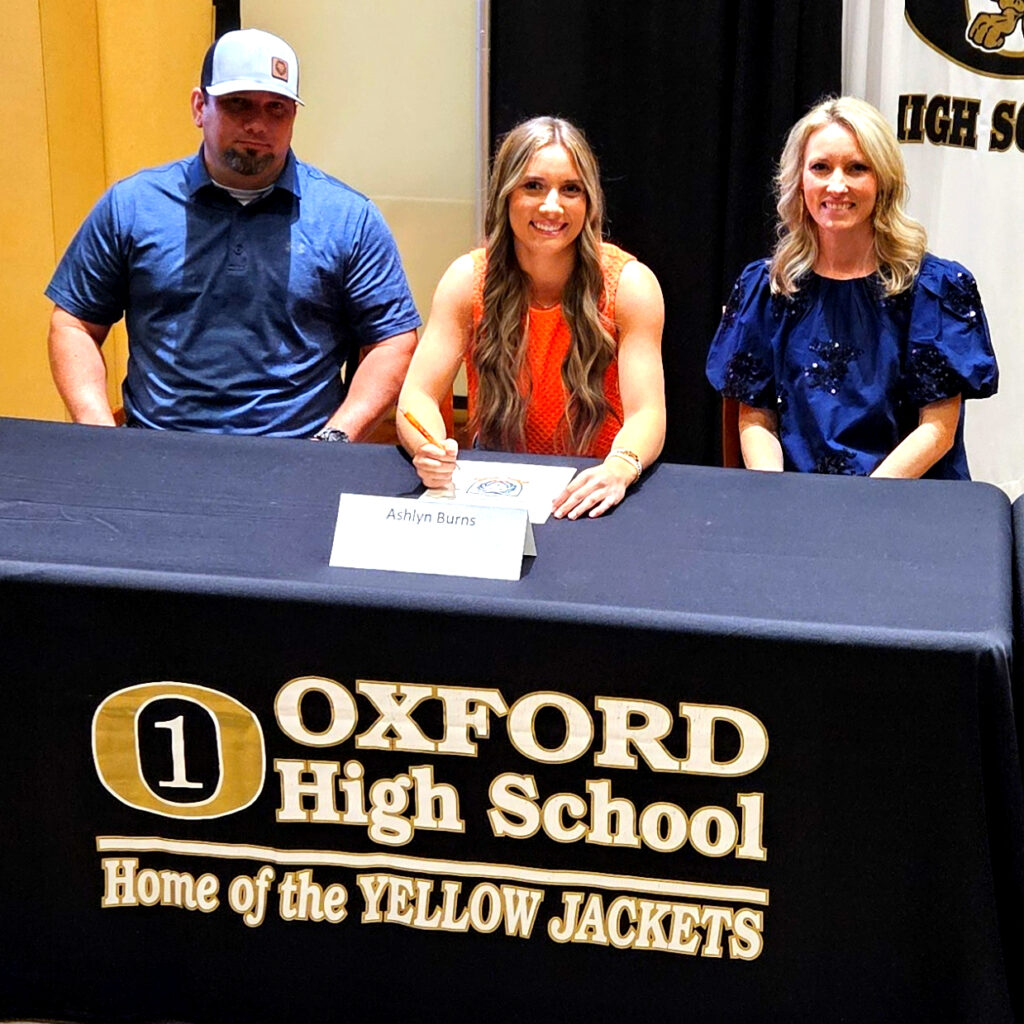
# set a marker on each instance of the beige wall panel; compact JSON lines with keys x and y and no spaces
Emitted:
{"x":430,"y":234}
{"x":26,"y":223}
{"x":389,"y":87}
{"x":390,"y":91}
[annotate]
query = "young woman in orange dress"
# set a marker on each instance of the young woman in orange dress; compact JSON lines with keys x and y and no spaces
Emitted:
{"x":560,"y":331}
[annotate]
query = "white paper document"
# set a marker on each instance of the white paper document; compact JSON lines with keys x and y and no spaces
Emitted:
{"x":507,"y":485}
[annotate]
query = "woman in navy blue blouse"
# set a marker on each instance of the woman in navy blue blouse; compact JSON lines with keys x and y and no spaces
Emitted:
{"x":851,"y":349}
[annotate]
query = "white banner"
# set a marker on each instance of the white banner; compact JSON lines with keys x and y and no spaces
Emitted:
{"x":949,"y":77}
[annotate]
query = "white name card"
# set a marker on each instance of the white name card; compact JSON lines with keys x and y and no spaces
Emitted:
{"x":443,"y":538}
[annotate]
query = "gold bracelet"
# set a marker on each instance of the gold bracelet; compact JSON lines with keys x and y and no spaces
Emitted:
{"x":631,"y":457}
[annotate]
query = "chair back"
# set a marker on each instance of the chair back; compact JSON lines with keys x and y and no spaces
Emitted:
{"x":731,"y":455}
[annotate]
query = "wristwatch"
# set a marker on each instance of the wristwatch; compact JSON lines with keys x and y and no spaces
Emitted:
{"x":331,"y":434}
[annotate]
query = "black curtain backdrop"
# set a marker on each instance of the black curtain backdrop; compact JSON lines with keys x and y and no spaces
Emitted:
{"x":227,"y":16}
{"x":687,"y":106}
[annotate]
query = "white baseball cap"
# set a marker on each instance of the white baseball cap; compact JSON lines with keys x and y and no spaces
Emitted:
{"x":250,"y":60}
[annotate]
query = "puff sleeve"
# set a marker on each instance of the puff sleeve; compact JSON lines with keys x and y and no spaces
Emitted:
{"x":949,"y":351}
{"x":741,"y":362}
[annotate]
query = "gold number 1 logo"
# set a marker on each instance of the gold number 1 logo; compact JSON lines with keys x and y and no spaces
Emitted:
{"x":133,"y":723}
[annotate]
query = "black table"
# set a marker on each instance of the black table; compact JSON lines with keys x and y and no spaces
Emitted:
{"x":741,"y":750}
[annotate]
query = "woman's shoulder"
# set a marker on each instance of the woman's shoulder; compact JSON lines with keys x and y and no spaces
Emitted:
{"x":949,"y":350}
{"x":753,"y":279}
{"x":463,"y":268}
{"x":935,"y":270}
{"x":619,"y":263}
{"x":639,"y":295}
{"x":756,"y":273}
{"x":943,"y":284}
{"x":631,"y":288}
{"x":741,"y":359}
{"x":752,"y":286}
{"x":473,"y":264}
{"x":612,"y":257}
{"x":474,"y":270}
{"x":940,"y":279}
{"x":457,"y":286}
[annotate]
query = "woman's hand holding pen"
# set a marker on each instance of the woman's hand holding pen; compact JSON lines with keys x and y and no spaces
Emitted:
{"x":435,"y":460}
{"x":435,"y":463}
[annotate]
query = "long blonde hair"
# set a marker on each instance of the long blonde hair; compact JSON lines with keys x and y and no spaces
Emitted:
{"x":899,"y":239}
{"x":499,"y":343}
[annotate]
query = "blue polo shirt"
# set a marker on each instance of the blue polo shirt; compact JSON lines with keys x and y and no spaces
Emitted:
{"x":239,"y":317}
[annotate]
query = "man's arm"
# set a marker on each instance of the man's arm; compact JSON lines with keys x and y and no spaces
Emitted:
{"x":78,"y":367}
{"x":374,"y":387}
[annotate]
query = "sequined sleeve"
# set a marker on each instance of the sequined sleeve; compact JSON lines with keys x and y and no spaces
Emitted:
{"x":740,"y":362}
{"x":949,"y":351}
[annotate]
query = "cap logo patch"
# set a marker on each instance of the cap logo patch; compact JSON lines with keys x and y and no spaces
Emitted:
{"x":279,"y":68}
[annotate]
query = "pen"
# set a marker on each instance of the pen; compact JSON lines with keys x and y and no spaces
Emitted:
{"x":423,"y":430}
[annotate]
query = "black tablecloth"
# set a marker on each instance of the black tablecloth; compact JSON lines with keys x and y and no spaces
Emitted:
{"x":845,"y":644}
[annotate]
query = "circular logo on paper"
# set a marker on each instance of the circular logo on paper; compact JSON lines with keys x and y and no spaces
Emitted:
{"x":986,"y":36}
{"x":496,"y":486}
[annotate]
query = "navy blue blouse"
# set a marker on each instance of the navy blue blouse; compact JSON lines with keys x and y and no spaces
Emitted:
{"x":848,"y":369}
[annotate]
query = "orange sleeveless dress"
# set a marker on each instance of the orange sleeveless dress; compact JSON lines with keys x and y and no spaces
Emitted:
{"x":546,"y":348}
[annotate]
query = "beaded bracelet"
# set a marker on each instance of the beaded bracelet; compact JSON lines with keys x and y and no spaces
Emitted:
{"x":631,"y":457}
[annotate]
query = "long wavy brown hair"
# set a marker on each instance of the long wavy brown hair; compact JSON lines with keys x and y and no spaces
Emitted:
{"x":899,"y":239}
{"x":499,"y":343}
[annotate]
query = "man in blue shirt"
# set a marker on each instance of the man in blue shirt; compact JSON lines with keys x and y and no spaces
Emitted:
{"x":247,"y":278}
